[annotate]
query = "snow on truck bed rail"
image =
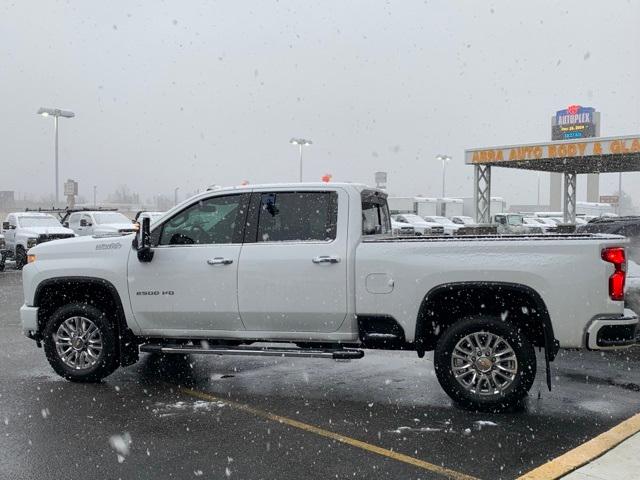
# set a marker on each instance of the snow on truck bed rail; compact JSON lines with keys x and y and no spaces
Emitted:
{"x":494,"y":237}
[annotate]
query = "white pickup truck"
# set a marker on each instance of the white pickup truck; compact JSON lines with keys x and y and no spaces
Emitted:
{"x":316,"y":265}
{"x":23,"y":230}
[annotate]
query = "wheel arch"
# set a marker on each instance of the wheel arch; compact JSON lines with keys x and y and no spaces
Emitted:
{"x":52,"y":293}
{"x":444,"y":304}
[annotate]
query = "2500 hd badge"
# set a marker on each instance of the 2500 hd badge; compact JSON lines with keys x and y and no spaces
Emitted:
{"x":155,"y":292}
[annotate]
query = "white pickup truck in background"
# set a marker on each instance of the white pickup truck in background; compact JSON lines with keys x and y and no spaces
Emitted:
{"x":316,"y":265}
{"x":23,"y":230}
{"x":85,"y":223}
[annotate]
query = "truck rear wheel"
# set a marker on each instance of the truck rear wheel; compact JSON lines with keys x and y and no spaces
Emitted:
{"x":485,"y":364}
{"x":80,"y":343}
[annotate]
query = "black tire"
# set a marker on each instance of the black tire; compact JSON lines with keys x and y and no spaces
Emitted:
{"x":493,"y":399}
{"x":21,"y":257}
{"x":107,"y":361}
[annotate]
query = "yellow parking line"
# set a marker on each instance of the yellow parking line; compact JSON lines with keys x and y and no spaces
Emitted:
{"x":585,"y":453}
{"x":332,"y":435}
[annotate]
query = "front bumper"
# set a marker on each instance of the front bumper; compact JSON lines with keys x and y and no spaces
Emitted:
{"x":29,"y":320}
{"x":613,"y":332}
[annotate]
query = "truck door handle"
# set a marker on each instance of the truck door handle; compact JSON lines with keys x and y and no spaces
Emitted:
{"x":219,"y":261}
{"x":326,"y":259}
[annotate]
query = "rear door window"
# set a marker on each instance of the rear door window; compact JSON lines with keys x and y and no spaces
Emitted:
{"x":297,"y":216}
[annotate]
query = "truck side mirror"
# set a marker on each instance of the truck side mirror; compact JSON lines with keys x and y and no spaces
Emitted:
{"x":145,"y":253}
{"x":6,"y":226}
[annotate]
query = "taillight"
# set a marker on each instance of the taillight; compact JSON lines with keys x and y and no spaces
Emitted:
{"x":617,"y":257}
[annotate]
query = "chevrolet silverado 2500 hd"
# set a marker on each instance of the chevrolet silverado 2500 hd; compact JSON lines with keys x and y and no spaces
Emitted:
{"x":316,"y":265}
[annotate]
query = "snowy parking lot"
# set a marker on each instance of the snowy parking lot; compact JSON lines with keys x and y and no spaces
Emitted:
{"x":231,"y":417}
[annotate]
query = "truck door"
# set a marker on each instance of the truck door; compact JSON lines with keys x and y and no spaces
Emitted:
{"x":10,"y":233}
{"x":293,"y":267}
{"x":74,"y":222}
{"x":85,"y":225}
{"x":190,"y":286}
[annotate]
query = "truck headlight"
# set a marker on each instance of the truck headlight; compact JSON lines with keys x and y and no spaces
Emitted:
{"x":32,"y":242}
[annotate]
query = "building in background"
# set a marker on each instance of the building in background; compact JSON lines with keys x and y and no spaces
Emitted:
{"x":7,"y":200}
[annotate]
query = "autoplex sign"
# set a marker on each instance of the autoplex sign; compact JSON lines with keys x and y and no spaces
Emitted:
{"x":575,"y":114}
{"x":516,"y":153}
{"x":575,"y":122}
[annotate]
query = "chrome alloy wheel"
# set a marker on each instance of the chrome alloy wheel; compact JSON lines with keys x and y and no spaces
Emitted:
{"x":484,"y":363}
{"x":78,"y":343}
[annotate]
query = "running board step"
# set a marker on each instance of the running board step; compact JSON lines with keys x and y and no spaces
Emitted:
{"x":336,"y":354}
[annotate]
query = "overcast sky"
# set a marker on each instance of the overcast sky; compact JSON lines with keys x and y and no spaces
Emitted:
{"x":186,"y":94}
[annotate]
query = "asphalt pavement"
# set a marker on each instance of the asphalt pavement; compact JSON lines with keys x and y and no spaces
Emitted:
{"x":384,"y":416}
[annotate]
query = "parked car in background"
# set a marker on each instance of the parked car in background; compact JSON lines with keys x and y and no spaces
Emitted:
{"x":152,"y":216}
{"x":419,"y":224}
{"x":23,"y":230}
{"x":560,"y":220}
{"x":100,"y":223}
{"x":538,"y":222}
{"x":450,"y":228}
{"x":627,"y":226}
{"x":549,"y":221}
{"x":3,"y":252}
{"x":463,"y":220}
{"x":513,"y":224}
{"x":402,"y":229}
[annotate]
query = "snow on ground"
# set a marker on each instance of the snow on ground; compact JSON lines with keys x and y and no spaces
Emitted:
{"x":169,"y":409}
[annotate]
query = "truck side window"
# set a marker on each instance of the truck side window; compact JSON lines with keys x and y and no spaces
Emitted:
{"x":209,"y":221}
{"x":298,"y":216}
{"x":85,"y":220}
{"x":375,"y":218}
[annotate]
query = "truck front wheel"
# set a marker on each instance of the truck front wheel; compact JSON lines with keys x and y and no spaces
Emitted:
{"x":80,"y":343}
{"x":21,"y":257}
{"x":485,"y":364}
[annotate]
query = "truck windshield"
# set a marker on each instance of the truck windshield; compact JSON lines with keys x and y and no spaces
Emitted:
{"x":515,"y":219}
{"x":111,"y":217}
{"x":26,"y":222}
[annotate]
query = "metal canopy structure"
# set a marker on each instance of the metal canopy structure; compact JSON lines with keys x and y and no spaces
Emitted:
{"x":569,"y":157}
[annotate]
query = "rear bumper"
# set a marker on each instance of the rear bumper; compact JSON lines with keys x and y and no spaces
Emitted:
{"x":614,"y":332}
{"x":29,"y":320}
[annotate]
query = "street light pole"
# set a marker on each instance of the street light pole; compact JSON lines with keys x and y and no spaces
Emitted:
{"x":95,"y":204}
{"x":300,"y":150}
{"x":445,"y":159}
{"x":175,"y":195}
{"x":56,"y":113}
{"x":300,"y":142}
{"x":55,"y":123}
{"x":619,"y":192}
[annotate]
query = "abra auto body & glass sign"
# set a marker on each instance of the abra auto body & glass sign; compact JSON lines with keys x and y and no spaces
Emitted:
{"x":582,"y":148}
